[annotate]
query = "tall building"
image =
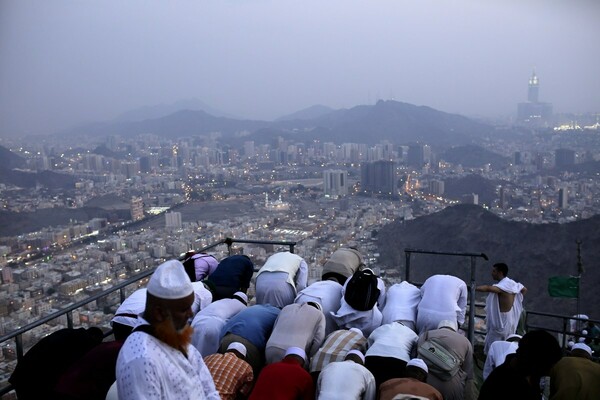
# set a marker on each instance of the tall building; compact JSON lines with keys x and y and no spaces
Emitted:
{"x":564,"y":158}
{"x":335,"y":183}
{"x":563,"y":198}
{"x":379,"y":177}
{"x":418,"y":155}
{"x":136,"y":206}
{"x":436,"y":187}
{"x":173,"y":219}
{"x":534,"y":113}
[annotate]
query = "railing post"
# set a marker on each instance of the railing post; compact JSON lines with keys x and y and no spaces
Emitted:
{"x":122,"y":295}
{"x":19,"y":344}
{"x":471,"y":333}
{"x":69,"y":319}
{"x":565,"y":321}
{"x":229,"y":243}
{"x":291,"y":248}
{"x":407,"y":271}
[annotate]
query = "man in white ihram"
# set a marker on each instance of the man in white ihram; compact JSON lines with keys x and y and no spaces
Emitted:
{"x":157,"y":360}
{"x":443,"y":297}
{"x":503,"y":306}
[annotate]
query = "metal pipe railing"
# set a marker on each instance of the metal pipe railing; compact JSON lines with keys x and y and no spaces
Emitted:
{"x":473,"y":257}
{"x":68,"y":311}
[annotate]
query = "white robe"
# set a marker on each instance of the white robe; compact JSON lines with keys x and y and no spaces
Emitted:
{"x":346,"y":380}
{"x":209,"y":321}
{"x":367,"y":321}
{"x":501,"y":324}
{"x":148,"y":368}
{"x":328,"y":294}
{"x":497,"y":354}
{"x":443,"y":297}
{"x":401,"y":304}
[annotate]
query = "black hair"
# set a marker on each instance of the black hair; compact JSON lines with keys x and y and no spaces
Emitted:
{"x":502,"y":268}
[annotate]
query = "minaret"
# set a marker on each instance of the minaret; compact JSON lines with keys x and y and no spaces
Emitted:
{"x":534,"y":89}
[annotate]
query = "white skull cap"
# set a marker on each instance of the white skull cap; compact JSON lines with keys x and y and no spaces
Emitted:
{"x":238,"y":347}
{"x":170,"y":281}
{"x":417,"y":362}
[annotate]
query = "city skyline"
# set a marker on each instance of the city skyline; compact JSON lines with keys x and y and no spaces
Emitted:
{"x":65,"y":63}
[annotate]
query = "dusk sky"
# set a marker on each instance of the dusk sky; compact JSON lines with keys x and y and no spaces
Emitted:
{"x":67,"y":62}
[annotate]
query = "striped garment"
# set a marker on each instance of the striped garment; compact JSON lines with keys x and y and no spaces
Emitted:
{"x":231,"y":374}
{"x":336,"y":346}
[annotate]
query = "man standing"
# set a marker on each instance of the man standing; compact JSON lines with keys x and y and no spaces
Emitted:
{"x":456,"y":385}
{"x":503,"y":305}
{"x":233,"y":376}
{"x":157,"y":360}
{"x":347,"y":379}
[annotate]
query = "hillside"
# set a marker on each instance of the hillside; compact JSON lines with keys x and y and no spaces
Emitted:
{"x":396,"y":122}
{"x":532,"y":252}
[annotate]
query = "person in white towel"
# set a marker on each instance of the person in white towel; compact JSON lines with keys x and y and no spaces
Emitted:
{"x":443,"y":297}
{"x":348,"y":379}
{"x":503,"y":305}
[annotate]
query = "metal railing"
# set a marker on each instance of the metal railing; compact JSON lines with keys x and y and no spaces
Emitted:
{"x":17,"y":335}
{"x":473,"y":257}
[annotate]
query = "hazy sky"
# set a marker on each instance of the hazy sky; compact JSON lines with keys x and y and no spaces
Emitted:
{"x":65,"y":62}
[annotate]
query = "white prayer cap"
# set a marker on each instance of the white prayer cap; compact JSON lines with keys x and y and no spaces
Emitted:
{"x":296,"y":351}
{"x":238,"y":347}
{"x":448,"y":324}
{"x":570,"y":344}
{"x":584,"y":332}
{"x":582,"y":346}
{"x":358,"y":353}
{"x":241,"y":296}
{"x":170,"y":281}
{"x":417,"y":362}
{"x":514,"y":336}
{"x":356,"y":330}
{"x":581,"y":339}
{"x":315,"y":304}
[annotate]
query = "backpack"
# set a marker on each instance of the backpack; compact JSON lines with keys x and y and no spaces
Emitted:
{"x":189,"y":264}
{"x":361,"y":291}
{"x":442,"y":362}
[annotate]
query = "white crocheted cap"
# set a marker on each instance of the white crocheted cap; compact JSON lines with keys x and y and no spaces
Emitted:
{"x":242,"y":296}
{"x":358,"y":353}
{"x":448,"y":324}
{"x":582,"y":346}
{"x":238,"y":347}
{"x":417,"y":362}
{"x":296,"y":351}
{"x":170,"y":281}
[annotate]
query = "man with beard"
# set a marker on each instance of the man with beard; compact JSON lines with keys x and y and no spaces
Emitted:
{"x":157,"y":360}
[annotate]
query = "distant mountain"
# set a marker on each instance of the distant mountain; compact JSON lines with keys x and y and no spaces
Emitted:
{"x":533,"y":252}
{"x":396,"y":122}
{"x":13,"y":224}
{"x":471,"y":156}
{"x":10,"y":160}
{"x":311,"y":112}
{"x":162,"y":110}
{"x":399,"y":123}
{"x":48,"y":179}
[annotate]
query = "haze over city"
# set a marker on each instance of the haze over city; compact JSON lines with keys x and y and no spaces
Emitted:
{"x":64,"y":63}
